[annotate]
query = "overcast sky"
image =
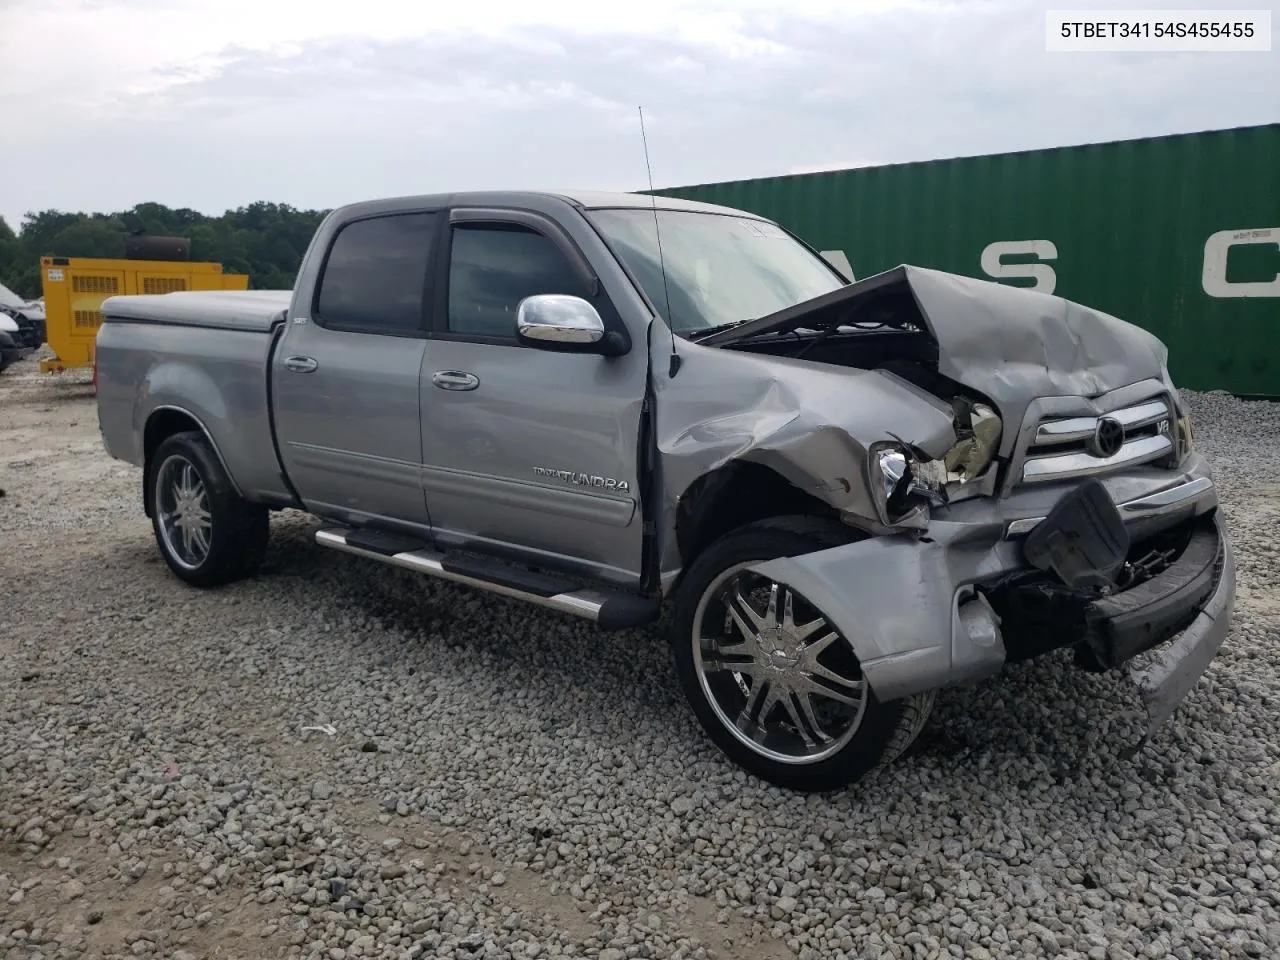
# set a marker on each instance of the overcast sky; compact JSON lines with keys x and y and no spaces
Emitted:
{"x":108,"y":103}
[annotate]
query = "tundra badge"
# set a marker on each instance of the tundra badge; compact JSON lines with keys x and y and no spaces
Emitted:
{"x":584,"y":479}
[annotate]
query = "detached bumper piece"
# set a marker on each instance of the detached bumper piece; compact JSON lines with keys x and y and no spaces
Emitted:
{"x":1123,"y":625}
{"x":1166,"y":674}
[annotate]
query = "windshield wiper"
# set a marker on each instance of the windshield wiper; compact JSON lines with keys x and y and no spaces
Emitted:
{"x":718,"y":328}
{"x":822,"y":335}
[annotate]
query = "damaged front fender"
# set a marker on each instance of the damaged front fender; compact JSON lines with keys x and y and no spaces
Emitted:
{"x":813,"y":424}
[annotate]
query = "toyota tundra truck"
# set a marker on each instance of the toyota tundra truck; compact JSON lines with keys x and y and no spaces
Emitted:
{"x":846,"y":495}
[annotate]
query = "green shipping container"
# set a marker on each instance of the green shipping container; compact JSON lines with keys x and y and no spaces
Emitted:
{"x":1178,"y":234}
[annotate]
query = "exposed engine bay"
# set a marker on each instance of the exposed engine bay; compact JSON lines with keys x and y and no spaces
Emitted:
{"x":884,"y":330}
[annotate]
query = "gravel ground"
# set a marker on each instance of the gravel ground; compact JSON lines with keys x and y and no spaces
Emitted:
{"x":504,"y":783}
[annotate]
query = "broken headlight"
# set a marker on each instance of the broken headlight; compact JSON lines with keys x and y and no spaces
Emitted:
{"x":1186,"y":435}
{"x":905,"y":480}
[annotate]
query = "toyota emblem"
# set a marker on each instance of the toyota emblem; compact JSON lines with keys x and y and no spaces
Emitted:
{"x":1108,"y":437}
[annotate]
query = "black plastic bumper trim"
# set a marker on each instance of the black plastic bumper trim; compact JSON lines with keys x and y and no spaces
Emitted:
{"x":1125,"y":624}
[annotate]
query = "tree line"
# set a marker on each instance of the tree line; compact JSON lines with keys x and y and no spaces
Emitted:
{"x":264,"y":240}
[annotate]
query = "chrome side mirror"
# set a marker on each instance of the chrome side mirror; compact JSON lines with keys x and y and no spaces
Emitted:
{"x":555,"y":321}
{"x":558,"y":318}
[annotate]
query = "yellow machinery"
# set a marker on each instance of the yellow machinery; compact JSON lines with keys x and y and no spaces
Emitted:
{"x":75,"y":287}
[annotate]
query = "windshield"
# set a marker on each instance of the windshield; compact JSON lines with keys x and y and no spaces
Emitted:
{"x":720,"y":269}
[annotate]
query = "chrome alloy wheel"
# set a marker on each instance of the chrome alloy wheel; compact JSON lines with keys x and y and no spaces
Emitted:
{"x":182,"y":506}
{"x":777,"y":674}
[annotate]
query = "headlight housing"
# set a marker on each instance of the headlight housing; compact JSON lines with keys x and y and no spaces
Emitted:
{"x":1186,"y":435}
{"x":904,"y":482}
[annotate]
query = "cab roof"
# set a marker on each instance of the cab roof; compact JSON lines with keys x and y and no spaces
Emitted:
{"x":539,"y":200}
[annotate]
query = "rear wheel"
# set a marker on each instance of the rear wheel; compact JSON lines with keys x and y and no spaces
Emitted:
{"x":771,"y":679}
{"x":207,"y":534}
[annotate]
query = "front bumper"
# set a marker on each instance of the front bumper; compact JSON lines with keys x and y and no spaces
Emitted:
{"x":1167,"y":673}
{"x":917,"y":613}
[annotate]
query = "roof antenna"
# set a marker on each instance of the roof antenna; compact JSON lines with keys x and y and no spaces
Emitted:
{"x":662,"y":265}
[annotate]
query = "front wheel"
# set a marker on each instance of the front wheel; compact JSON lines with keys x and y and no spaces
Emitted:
{"x":773,"y":682}
{"x":207,"y":534}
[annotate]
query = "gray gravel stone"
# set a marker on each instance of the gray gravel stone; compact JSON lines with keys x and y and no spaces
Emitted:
{"x":562,"y":765}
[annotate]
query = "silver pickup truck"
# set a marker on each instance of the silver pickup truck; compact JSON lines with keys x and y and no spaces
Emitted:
{"x":848,"y":494}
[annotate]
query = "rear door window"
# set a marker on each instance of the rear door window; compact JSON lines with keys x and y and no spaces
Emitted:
{"x":375,"y":276}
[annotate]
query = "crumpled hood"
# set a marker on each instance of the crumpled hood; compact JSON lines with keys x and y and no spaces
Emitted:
{"x":1016,"y":345}
{"x":1010,"y":344}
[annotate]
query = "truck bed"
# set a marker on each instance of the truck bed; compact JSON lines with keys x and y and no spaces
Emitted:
{"x":201,"y":355}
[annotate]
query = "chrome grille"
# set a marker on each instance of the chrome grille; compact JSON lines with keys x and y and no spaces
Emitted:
{"x":1065,"y":448}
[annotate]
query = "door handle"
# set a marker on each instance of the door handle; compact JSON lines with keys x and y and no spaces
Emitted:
{"x":455,"y":380}
{"x":300,"y":364}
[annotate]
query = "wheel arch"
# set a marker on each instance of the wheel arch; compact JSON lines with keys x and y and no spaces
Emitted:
{"x":733,"y":495}
{"x":885,"y":726}
{"x":162,"y":423}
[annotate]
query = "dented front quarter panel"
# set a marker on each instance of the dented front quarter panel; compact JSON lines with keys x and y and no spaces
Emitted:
{"x":812,"y":423}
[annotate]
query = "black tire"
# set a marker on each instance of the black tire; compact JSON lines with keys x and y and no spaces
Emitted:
{"x":236,"y":539}
{"x":883,"y":730}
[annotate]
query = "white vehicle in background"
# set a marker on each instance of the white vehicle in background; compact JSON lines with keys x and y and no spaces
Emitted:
{"x":29,"y":316}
